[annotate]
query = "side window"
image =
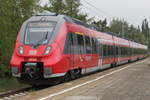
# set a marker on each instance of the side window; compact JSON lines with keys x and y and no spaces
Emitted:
{"x":74,"y":49}
{"x":105,"y":50}
{"x":68,"y":43}
{"x":123,"y":48}
{"x":100,"y":48}
{"x":80,"y":43}
{"x":116,"y":50}
{"x":119,"y":51}
{"x":109,"y":50}
{"x":88,"y":45}
{"x":126,"y":50}
{"x":122,"y":51}
{"x":94,"y":45}
{"x":132,"y":51}
{"x":112,"y":50}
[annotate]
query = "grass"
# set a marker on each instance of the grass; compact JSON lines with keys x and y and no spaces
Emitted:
{"x":7,"y":84}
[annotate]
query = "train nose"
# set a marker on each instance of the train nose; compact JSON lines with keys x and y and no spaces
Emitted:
{"x":34,"y":70}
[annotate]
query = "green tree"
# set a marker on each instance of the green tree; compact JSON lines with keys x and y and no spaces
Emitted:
{"x":146,"y":31}
{"x":123,"y":29}
{"x":57,"y":6}
{"x":12,"y":15}
{"x":115,"y":26}
{"x":120,"y":27}
{"x":101,"y":24}
{"x":145,"y":28}
{"x":67,"y":7}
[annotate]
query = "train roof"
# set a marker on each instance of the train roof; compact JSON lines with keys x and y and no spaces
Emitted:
{"x":49,"y":16}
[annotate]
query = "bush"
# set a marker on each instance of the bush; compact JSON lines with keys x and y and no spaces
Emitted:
{"x":4,"y":71}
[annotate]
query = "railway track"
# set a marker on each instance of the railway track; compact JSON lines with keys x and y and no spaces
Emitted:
{"x":20,"y":92}
{"x":15,"y":93}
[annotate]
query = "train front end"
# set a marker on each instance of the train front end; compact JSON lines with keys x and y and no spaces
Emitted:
{"x":37,"y":50}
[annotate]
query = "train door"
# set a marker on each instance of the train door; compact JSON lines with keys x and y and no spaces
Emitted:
{"x":114,"y":50}
{"x":81,"y":49}
{"x":74,"y":54}
{"x":88,"y":49}
{"x":95,"y":56}
{"x":119,"y":54}
{"x":116,"y":53}
{"x":100,"y":52}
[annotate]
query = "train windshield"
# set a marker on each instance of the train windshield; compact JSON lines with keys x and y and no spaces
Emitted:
{"x":38,"y":33}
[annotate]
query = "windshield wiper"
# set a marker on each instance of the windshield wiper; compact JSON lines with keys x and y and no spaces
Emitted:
{"x":46,"y":36}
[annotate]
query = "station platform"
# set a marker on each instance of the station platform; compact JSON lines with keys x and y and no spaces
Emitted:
{"x":126,"y":82}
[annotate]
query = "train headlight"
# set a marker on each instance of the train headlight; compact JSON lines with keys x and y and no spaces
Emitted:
{"x":21,"y":50}
{"x":47,"y":50}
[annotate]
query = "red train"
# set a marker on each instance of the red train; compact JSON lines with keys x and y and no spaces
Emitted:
{"x":50,"y":48}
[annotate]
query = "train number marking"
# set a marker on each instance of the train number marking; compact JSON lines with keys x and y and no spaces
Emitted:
{"x":32,"y":52}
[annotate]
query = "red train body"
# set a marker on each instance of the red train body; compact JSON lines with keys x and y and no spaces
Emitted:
{"x":56,"y":46}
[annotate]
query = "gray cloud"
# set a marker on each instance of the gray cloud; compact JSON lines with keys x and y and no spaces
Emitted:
{"x":133,"y":11}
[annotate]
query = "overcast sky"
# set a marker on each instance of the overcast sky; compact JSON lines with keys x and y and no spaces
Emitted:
{"x":133,"y":11}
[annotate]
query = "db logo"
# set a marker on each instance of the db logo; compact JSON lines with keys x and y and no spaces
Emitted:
{"x":32,"y":52}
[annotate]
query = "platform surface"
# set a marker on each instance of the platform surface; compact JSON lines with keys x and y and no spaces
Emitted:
{"x":126,"y":82}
